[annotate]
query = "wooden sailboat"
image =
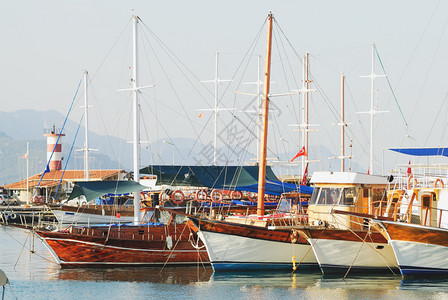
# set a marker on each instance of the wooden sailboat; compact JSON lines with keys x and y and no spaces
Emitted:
{"x":234,"y":246}
{"x":132,"y":244}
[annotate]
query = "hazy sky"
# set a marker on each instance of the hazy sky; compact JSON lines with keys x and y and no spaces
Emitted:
{"x":46,"y":46}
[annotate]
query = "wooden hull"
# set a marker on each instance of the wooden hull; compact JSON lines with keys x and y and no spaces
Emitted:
{"x":339,"y":250}
{"x":125,"y":246}
{"x":420,"y":250}
{"x":239,"y":247}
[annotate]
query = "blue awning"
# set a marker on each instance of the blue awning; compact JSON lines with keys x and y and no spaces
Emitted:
{"x":422,"y":151}
{"x":277,"y":188}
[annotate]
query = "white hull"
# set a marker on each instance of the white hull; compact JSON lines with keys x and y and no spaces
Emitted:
{"x":419,"y":258}
{"x":338,"y":255}
{"x":231,"y":252}
{"x":80,"y":218}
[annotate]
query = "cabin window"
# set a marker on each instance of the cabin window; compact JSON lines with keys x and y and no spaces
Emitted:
{"x":285,"y":205}
{"x":328,"y":196}
{"x":426,"y":201}
{"x":349,"y":196}
{"x":315,"y":195}
{"x":379,"y":194}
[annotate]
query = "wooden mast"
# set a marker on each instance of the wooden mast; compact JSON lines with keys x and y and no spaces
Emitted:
{"x":265,"y":119}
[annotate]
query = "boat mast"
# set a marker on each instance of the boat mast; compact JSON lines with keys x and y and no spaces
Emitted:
{"x":342,"y":125}
{"x":86,"y":128}
{"x":372,"y":111}
{"x":136,"y":122}
{"x":265,"y":119}
{"x":216,"y":108}
{"x":27,"y":172}
{"x":306,"y":110}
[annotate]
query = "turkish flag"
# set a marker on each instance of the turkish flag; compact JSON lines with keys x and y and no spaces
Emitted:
{"x":300,"y":153}
{"x":409,"y":169}
{"x":305,"y":175}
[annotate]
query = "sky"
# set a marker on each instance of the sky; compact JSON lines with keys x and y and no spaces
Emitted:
{"x":47,"y":45}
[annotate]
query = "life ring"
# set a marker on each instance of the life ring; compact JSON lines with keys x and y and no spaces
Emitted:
{"x":409,"y":181}
{"x":12,"y":216}
{"x":216,"y":195}
{"x":237,"y":195}
{"x":251,"y":196}
{"x":142,"y":196}
{"x":442,"y":185}
{"x":175,"y":199}
{"x":200,"y":195}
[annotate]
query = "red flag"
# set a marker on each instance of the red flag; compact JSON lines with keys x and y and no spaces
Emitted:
{"x":305,"y":175}
{"x":25,"y":156}
{"x":201,"y":115}
{"x":368,"y":171}
{"x":409,"y":169}
{"x":300,"y":153}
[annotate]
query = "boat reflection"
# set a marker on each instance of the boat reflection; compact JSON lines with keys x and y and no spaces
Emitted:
{"x":179,"y":275}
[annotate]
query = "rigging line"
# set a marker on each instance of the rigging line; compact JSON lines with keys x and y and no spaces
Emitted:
{"x":343,"y":50}
{"x":435,"y":119}
{"x":166,"y":132}
{"x":168,"y":51}
{"x":68,"y":158}
{"x":284,"y":75}
{"x":390,"y":86}
{"x":418,"y":43}
{"x":171,"y":84}
{"x":254,"y":43}
{"x":219,"y":101}
{"x":295,"y":80}
{"x":47,"y":168}
{"x":430,"y":66}
{"x":110,"y":50}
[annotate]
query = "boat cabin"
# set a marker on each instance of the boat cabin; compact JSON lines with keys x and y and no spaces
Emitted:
{"x":344,"y":191}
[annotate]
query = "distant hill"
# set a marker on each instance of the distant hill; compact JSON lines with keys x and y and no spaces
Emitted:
{"x":16,"y":128}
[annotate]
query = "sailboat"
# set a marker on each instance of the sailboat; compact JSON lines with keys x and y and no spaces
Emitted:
{"x":234,"y":246}
{"x":137,"y":244}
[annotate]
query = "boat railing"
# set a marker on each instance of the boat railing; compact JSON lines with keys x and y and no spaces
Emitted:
{"x":424,"y":215}
{"x":421,"y":176}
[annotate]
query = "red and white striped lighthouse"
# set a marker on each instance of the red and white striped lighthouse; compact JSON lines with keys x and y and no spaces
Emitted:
{"x":56,"y":160}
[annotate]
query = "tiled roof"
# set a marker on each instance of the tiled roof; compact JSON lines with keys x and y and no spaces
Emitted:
{"x":52,"y":178}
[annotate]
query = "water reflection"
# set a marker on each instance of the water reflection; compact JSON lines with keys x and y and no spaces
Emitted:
{"x":183,"y":275}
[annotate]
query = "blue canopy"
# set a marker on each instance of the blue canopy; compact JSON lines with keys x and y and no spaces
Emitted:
{"x":423,"y":151}
{"x":277,"y":188}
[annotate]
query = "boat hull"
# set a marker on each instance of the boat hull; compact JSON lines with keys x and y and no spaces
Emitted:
{"x":339,"y":251}
{"x":420,"y":250}
{"x":239,"y":247}
{"x":139,"y":246}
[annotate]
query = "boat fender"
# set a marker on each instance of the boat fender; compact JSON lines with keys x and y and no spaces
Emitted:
{"x":318,"y":223}
{"x":294,"y":236}
{"x":169,"y":242}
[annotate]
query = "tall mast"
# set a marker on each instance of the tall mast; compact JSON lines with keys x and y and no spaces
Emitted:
{"x":372,"y":111}
{"x":215,"y":137}
{"x":342,"y":125}
{"x":265,"y":119}
{"x":86,"y":128}
{"x":136,"y":123}
{"x":27,"y":172}
{"x":305,"y":108}
{"x":216,"y":108}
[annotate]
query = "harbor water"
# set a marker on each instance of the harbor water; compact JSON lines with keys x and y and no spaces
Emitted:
{"x":35,"y":275}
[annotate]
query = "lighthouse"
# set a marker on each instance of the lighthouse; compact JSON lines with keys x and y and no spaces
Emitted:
{"x":56,"y":159}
